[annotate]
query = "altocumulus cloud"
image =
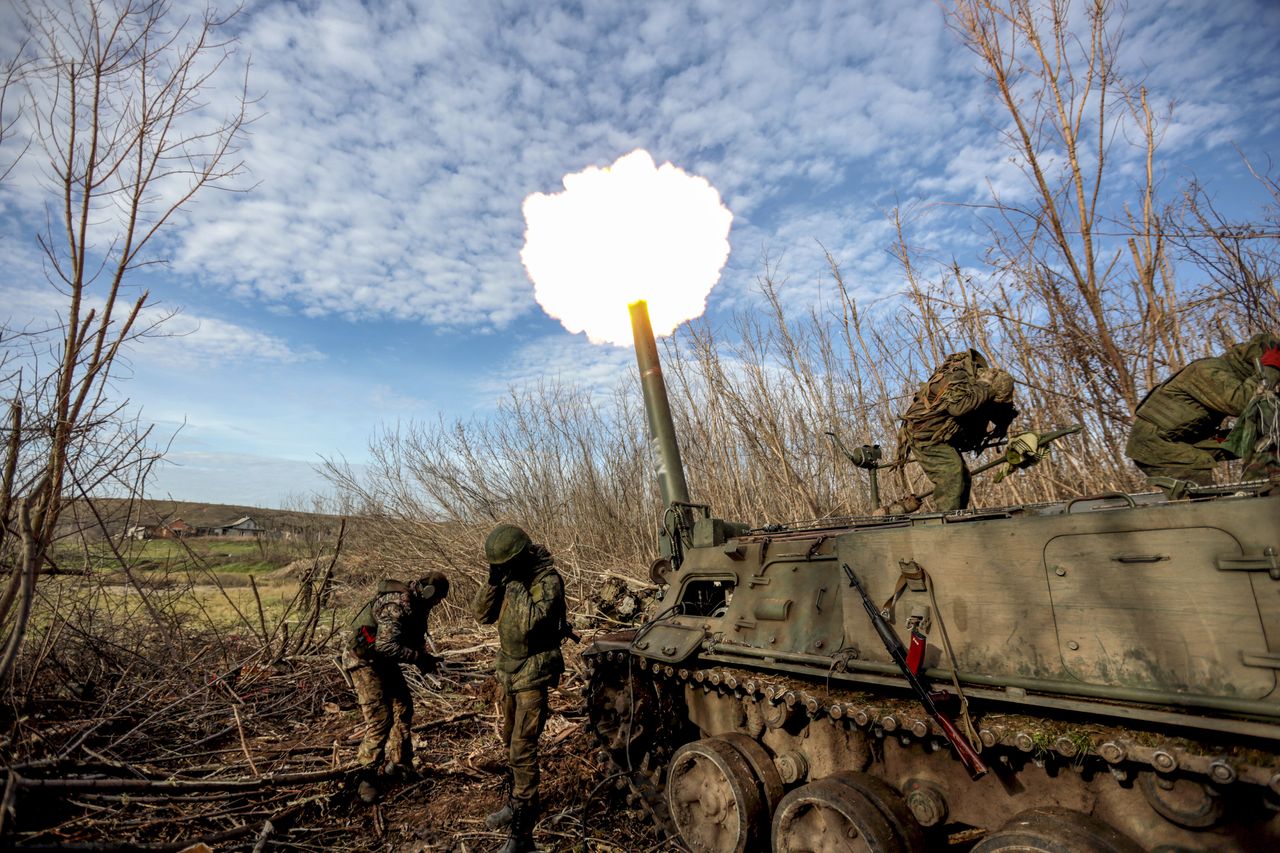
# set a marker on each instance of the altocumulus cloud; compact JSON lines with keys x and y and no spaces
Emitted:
{"x":398,"y":139}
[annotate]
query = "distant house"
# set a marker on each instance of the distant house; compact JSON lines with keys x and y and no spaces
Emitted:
{"x":246,"y":526}
{"x":176,"y":529}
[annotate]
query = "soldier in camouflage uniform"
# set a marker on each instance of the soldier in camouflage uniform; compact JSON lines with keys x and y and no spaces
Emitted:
{"x":389,"y":631}
{"x":1176,"y":429}
{"x":965,"y":404}
{"x":525,"y":596}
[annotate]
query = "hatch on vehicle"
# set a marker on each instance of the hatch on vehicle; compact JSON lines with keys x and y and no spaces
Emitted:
{"x":1150,"y":609}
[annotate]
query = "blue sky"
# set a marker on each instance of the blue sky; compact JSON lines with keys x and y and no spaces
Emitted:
{"x":372,"y":274}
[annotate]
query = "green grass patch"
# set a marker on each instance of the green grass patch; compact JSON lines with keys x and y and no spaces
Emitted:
{"x":113,"y":601}
{"x":246,"y":568}
{"x":229,"y":556}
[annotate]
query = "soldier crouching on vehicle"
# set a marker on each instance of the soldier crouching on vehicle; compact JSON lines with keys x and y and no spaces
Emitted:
{"x":525,"y":596}
{"x":964,"y":405}
{"x":1176,"y":435}
{"x":389,"y":631}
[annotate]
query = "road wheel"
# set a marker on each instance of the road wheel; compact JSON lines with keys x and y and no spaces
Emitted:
{"x":829,"y":816}
{"x":714,"y":798}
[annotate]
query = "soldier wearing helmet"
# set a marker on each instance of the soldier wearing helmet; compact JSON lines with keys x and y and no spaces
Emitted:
{"x":963,"y":406}
{"x":525,"y":597}
{"x":389,"y":631}
{"x":1176,"y":432}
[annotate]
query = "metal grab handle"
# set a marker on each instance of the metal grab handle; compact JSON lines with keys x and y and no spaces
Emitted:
{"x":1140,"y":558}
{"x":1101,"y":496}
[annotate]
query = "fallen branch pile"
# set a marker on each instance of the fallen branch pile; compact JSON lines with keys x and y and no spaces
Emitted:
{"x":241,"y":752}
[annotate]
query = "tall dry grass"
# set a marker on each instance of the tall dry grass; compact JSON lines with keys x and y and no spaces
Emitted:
{"x":752,"y":403}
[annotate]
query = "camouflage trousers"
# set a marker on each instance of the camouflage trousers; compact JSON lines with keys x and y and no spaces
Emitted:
{"x":945,"y":468}
{"x":1157,"y":456}
{"x":524,"y":714}
{"x":388,"y":715}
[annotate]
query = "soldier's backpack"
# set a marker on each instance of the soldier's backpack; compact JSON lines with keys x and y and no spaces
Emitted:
{"x":364,"y":627}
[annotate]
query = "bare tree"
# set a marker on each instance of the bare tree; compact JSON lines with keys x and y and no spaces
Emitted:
{"x":1091,"y":253}
{"x":1242,"y":260}
{"x":113,"y":104}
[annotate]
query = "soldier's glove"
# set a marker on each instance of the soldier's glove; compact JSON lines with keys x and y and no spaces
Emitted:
{"x":497,"y":575}
{"x":428,"y":664}
{"x":1022,"y":452}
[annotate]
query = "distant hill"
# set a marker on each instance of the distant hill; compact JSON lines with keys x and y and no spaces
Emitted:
{"x":119,"y":513}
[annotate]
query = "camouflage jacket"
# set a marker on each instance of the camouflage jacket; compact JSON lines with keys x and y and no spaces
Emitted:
{"x":1190,"y":405}
{"x":954,"y":407}
{"x":397,"y":619}
{"x":529,"y":608}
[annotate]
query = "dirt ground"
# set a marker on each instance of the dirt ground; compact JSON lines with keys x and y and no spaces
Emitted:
{"x":464,"y":770}
{"x":291,"y":718}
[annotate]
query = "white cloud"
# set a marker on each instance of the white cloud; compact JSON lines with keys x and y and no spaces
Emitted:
{"x":398,"y":139}
{"x":235,"y":478}
{"x":182,"y":339}
{"x":188,"y":341}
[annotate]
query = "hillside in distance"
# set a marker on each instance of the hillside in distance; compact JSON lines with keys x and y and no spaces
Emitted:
{"x":116,"y":514}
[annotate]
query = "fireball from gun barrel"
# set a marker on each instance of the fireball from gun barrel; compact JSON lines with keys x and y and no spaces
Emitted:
{"x":628,"y":232}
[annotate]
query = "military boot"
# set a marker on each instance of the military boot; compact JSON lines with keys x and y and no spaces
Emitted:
{"x":501,"y":819}
{"x":401,"y":773}
{"x":524,"y":814}
{"x":367,"y":790}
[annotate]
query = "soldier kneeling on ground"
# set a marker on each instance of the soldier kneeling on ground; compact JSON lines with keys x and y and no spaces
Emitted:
{"x":1177,"y":439}
{"x":389,"y":631}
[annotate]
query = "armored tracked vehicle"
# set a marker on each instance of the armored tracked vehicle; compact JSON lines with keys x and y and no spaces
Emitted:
{"x":1096,"y":674}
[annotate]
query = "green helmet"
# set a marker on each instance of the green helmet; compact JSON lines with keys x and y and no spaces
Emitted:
{"x":431,"y":588}
{"x":504,"y":543}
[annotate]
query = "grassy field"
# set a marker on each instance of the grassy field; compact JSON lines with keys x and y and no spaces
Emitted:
{"x":115,"y":600}
{"x":230,"y":556}
{"x":227,"y":584}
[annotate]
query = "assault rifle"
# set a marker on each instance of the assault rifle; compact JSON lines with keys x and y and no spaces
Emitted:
{"x":928,"y":698}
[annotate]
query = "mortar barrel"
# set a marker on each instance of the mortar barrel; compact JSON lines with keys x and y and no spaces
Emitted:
{"x":657,"y":410}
